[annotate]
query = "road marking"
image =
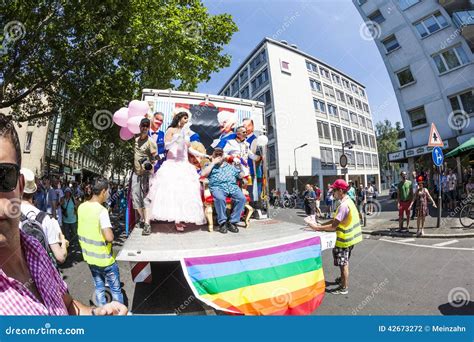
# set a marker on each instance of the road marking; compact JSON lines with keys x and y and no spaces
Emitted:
{"x":445,"y":243}
{"x":428,"y":246}
{"x":406,"y":240}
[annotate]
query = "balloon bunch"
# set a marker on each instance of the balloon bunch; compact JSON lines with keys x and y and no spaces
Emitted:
{"x":129,"y":118}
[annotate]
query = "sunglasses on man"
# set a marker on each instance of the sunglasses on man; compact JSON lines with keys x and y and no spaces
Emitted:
{"x":9,"y":174}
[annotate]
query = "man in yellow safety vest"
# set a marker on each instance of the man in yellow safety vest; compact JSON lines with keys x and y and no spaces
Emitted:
{"x":346,"y":224}
{"x":95,"y":237}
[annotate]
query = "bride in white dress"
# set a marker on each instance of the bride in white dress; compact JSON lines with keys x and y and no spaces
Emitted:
{"x":175,"y":191}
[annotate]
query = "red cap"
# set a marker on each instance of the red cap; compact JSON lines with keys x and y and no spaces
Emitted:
{"x":420,"y":179}
{"x":340,"y":184}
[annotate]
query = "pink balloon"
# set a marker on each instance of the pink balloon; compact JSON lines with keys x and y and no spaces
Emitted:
{"x":125,"y":134}
{"x":121,"y":117}
{"x":133,"y":124}
{"x":137,"y":108}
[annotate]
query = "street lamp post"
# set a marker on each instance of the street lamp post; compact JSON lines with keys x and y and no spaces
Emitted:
{"x":295,"y":174}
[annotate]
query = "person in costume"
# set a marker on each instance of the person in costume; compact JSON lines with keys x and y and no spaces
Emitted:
{"x":227,"y":121}
{"x":175,"y":193}
{"x":158,"y":136}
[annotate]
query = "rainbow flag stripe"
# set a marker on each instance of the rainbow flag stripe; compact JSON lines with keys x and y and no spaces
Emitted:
{"x":282,"y":280}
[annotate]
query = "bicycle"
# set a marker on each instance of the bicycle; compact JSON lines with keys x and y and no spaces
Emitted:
{"x":466,"y":216}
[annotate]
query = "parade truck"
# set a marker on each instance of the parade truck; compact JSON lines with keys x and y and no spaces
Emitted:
{"x":269,"y":267}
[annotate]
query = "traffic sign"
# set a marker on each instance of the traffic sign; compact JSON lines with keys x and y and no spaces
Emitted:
{"x":435,"y":138}
{"x":438,"y":156}
{"x":343,"y":160}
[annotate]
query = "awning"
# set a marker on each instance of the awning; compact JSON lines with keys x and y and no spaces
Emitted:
{"x":467,"y":146}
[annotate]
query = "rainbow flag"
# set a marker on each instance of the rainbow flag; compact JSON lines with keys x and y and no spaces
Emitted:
{"x":282,"y":280}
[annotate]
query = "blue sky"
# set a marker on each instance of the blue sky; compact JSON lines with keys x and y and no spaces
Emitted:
{"x":326,"y":29}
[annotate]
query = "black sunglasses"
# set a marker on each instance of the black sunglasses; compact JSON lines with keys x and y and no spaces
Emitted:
{"x":9,"y":174}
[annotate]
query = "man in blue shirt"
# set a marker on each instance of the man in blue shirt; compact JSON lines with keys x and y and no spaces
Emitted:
{"x":158,"y":136}
{"x":222,"y":183}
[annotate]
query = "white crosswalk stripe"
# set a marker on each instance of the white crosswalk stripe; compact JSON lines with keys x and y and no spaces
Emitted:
{"x":445,"y":243}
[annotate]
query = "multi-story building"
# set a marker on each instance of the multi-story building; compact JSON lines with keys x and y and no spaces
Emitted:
{"x":308,"y":102}
{"x":427,"y":47}
{"x":45,"y":151}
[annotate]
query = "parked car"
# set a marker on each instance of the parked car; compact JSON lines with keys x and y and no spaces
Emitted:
{"x":393,"y":192}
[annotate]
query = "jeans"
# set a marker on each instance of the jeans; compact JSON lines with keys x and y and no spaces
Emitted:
{"x":70,"y":231}
{"x":220,"y":202}
{"x":110,"y":274}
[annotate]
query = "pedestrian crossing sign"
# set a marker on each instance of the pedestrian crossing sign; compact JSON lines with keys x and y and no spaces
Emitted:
{"x":435,"y":139}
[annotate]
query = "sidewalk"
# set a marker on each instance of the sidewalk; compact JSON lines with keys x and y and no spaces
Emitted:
{"x":385,"y":222}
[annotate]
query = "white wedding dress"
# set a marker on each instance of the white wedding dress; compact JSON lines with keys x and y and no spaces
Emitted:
{"x":175,"y":190}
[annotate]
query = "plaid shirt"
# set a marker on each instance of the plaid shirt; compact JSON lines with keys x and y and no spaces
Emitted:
{"x":16,"y":299}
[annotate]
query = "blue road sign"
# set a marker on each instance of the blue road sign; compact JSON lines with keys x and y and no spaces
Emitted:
{"x":438,"y":156}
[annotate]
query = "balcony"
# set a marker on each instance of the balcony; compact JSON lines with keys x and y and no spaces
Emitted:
{"x":456,"y":5}
{"x":464,"y":20}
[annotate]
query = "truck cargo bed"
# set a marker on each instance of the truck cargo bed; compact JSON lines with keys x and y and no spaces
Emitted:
{"x":166,"y":244}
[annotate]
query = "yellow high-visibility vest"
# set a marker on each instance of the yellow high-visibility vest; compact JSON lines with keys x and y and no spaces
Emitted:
{"x":95,"y":250}
{"x":349,"y":231}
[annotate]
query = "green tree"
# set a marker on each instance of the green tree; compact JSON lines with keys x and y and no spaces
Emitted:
{"x":79,"y":57}
{"x":387,"y":137}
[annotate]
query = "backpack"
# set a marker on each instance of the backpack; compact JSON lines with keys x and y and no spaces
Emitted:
{"x":34,"y":227}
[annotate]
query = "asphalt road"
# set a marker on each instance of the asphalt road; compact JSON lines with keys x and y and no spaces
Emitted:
{"x":388,"y":276}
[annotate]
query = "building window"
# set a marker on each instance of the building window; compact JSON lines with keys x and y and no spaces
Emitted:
{"x":337,"y":155}
{"x":271,"y":156}
{"x":319,"y":105}
{"x":358,"y":104}
{"x":245,"y":93}
{"x":285,"y":67}
{"x":227,"y":92}
{"x":332,"y":110}
{"x":354,"y":119}
{"x":347,"y":134}
{"x":372,"y":141}
{"x":336,"y":78}
{"x":340,"y":96}
{"x":350,"y":100}
{"x":350,"y":157}
{"x":369,"y":124}
{"x":257,"y":61}
{"x":323,"y":131}
{"x":29,"y":137}
{"x":362,"y":92}
{"x":312,"y":67}
{"x":377,"y":17}
{"x":361,"y":2}
{"x":405,"y":77}
{"x":430,"y":25}
{"x":259,"y":81}
{"x":270,"y":129}
{"x":265,"y":98}
{"x":365,"y":140}
{"x":375,"y":161}
{"x":346,"y":84}
{"x":326,"y":156}
{"x":463,"y":102}
{"x":450,"y":59}
{"x":357,"y":138}
{"x":344,"y":114}
{"x":404,"y":4}
{"x":235,"y":86}
{"x":390,"y":43}
{"x":329,"y":91}
{"x":324,"y":72}
{"x":315,"y":85}
{"x":366,"y":107}
{"x":360,"y":159}
{"x":244,"y":75}
{"x":417,"y":116}
{"x":336,"y":133}
{"x":362,"y":121}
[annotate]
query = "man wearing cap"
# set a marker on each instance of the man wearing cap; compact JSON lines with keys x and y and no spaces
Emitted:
{"x":158,"y":136}
{"x":346,"y":224}
{"x":54,"y":237}
{"x":145,"y":151}
{"x":69,"y":208}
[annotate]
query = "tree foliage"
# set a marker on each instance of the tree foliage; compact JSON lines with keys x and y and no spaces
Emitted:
{"x":78,"y":57}
{"x":387,"y":137}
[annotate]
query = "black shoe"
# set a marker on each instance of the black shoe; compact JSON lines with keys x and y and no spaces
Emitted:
{"x":146,"y":229}
{"x":232,"y":228}
{"x":223,"y":228}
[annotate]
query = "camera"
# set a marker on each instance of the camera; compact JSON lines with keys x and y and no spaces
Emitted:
{"x":146,"y":164}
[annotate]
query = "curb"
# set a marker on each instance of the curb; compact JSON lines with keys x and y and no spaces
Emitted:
{"x":428,"y":236}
